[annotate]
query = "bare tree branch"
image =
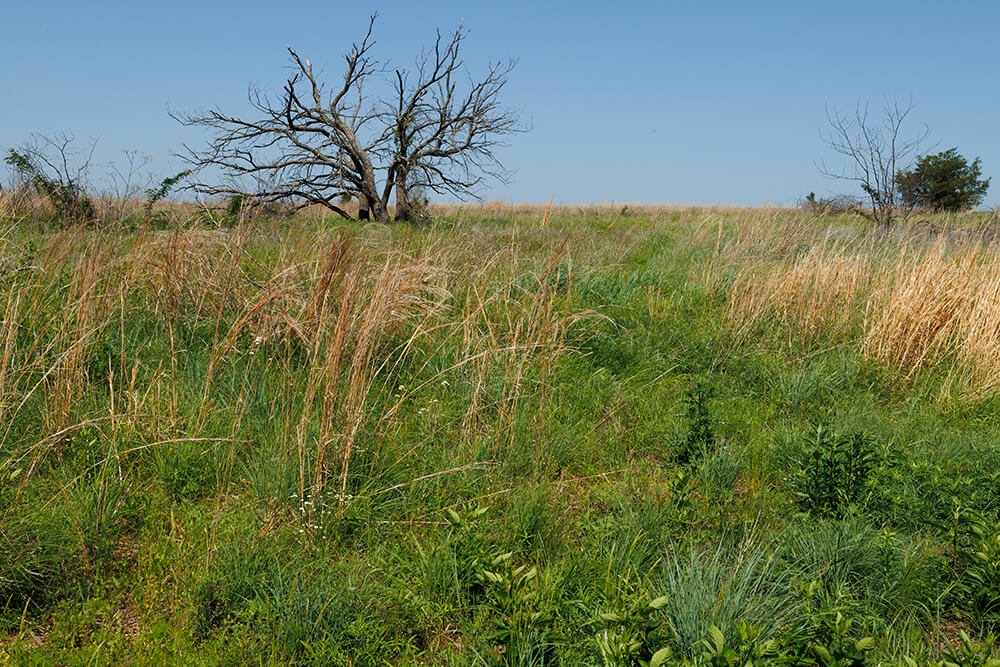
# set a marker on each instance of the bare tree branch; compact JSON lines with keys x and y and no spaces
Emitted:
{"x":310,"y":146}
{"x":56,"y":169}
{"x":444,"y":140}
{"x":875,"y":152}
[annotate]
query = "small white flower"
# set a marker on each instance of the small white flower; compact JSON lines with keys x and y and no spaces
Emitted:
{"x":444,"y":383}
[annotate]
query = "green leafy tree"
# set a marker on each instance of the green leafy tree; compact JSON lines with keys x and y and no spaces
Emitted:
{"x":945,"y":181}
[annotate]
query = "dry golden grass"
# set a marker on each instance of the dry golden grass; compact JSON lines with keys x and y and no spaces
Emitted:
{"x":914,"y":297}
{"x":355,"y":302}
{"x":919,"y":306}
{"x":814,"y":296}
{"x":977,"y":332}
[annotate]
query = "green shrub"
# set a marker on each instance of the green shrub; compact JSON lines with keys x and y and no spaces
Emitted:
{"x":154,"y":195}
{"x":633,"y":634}
{"x":66,"y":194}
{"x":833,"y":472}
{"x":237,"y":203}
{"x":945,"y":181}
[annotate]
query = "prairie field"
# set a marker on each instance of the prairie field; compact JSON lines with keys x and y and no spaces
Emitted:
{"x":520,"y":435}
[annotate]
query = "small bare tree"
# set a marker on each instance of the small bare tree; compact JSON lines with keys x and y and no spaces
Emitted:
{"x":875,"y":150}
{"x":434,"y":128}
{"x":53,"y":167}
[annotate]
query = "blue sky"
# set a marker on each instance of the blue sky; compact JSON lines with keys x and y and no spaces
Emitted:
{"x":670,"y":102}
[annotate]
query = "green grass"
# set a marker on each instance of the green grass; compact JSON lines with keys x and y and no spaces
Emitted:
{"x":175,"y":488}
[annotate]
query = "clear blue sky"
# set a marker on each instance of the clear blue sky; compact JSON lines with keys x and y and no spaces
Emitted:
{"x":673,"y":102}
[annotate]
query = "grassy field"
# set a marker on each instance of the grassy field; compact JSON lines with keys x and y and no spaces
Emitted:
{"x":526,"y":436}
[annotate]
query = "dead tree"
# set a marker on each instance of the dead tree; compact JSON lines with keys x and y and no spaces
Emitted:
{"x":875,"y":152}
{"x":443,"y":140}
{"x":310,"y":146}
{"x":54,"y":168}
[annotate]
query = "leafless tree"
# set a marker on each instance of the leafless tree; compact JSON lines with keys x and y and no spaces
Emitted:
{"x":875,"y":150}
{"x":54,"y":167}
{"x":443,"y":140}
{"x":127,"y":180}
{"x":433,"y":128}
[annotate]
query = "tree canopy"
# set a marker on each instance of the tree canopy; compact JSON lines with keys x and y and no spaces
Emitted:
{"x":945,"y":181}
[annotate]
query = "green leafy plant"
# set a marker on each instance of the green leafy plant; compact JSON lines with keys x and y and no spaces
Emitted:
{"x":154,"y":195}
{"x":833,"y":472}
{"x":700,"y":435}
{"x":969,"y":653}
{"x":981,"y":581}
{"x":840,"y":649}
{"x":750,"y":651}
{"x":520,"y":624}
{"x":634,"y":634}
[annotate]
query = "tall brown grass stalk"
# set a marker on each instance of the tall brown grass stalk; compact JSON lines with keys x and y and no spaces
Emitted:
{"x":921,"y":306}
{"x":911,"y":299}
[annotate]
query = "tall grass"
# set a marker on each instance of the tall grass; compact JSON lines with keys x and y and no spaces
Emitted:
{"x":908,"y":302}
{"x":345,"y":318}
{"x":725,"y":587}
{"x":815,"y":296}
{"x":920,"y":306}
{"x":256,"y":431}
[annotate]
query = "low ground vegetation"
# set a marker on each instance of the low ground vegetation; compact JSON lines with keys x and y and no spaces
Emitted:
{"x":597,"y":436}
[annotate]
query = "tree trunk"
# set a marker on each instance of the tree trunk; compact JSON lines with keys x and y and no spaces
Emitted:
{"x":379,"y":211}
{"x":368,"y":190}
{"x":369,"y":195}
{"x":402,"y":198}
